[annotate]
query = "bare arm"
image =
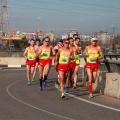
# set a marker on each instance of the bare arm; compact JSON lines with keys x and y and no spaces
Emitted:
{"x":85,"y":53}
{"x":39,"y":51}
{"x":53,"y":51}
{"x":101,"y":53}
{"x":72,"y":54}
{"x":25,"y":53}
{"x":56,"y":57}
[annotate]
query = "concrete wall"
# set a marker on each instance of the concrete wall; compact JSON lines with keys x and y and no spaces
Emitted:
{"x":12,"y":61}
{"x":11,"y":54}
{"x":112,"y":87}
{"x":108,"y":84}
{"x":21,"y":61}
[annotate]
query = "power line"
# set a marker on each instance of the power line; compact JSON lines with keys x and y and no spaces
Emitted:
{"x":55,"y":10}
{"x":78,"y":3}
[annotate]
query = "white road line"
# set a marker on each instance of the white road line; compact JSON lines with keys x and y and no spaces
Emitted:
{"x":45,"y":111}
{"x":94,"y":103}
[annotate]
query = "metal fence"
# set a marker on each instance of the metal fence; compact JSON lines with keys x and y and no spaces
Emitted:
{"x":110,"y":63}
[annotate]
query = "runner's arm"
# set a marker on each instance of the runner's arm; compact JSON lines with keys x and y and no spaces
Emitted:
{"x":57,"y":57}
{"x":39,"y":51}
{"x":25,"y":53}
{"x":72,"y":53}
{"x":85,"y":53}
{"x":53,"y":51}
{"x":101,"y":53}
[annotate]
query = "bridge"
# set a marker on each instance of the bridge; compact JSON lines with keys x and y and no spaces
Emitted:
{"x":20,"y":102}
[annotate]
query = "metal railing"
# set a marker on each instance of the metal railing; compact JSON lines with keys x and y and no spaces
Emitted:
{"x":110,"y":63}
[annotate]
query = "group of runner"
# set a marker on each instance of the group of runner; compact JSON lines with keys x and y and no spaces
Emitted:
{"x":67,"y":60}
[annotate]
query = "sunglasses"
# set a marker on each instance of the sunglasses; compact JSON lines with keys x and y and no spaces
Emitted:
{"x":94,"y":40}
{"x":67,"y":43}
{"x":46,"y":41}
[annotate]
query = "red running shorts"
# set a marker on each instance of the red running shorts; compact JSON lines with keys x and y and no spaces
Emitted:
{"x":64,"y":67}
{"x":72,"y":65}
{"x":43,"y":62}
{"x":31,"y":63}
{"x":93,"y":66}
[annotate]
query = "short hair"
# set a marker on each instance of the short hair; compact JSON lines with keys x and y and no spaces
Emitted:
{"x":46,"y":38}
{"x":37,"y":39}
{"x":77,"y":38}
{"x":70,"y":38}
{"x":60,"y":40}
{"x":75,"y":35}
{"x":32,"y":40}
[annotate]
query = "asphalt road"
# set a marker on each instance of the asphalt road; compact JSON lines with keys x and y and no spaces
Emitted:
{"x":21,"y":102}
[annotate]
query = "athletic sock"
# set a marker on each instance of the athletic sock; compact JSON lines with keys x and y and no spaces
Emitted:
{"x":40,"y":81}
{"x":90,"y":87}
{"x":45,"y":78}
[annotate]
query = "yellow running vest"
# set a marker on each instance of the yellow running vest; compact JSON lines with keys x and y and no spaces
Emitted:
{"x":31,"y":54}
{"x":64,"y":56}
{"x":77,"y":58}
{"x":46,"y":51}
{"x":92,"y":53}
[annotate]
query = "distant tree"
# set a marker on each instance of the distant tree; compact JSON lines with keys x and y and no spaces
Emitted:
{"x":23,"y":43}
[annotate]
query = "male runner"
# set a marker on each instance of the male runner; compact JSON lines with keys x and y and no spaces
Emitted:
{"x":77,"y":58}
{"x":65,"y":54}
{"x":30,"y":54}
{"x":37,"y":59}
{"x":45,"y":53}
{"x":72,"y":64}
{"x":93,"y":53}
{"x":56,"y":48}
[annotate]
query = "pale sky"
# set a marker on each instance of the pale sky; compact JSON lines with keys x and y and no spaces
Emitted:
{"x":59,"y":16}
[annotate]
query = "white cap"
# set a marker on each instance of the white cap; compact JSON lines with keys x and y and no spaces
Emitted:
{"x":94,"y":39}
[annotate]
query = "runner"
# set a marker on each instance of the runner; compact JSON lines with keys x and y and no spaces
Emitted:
{"x":56,"y":48}
{"x":30,"y":54}
{"x":72,"y":64}
{"x":77,"y":59}
{"x":75,"y":36}
{"x":93,"y":53}
{"x":37,"y":59}
{"x":63,"y":67}
{"x":45,"y":52}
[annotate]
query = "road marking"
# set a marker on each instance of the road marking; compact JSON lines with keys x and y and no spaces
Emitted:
{"x":45,"y":111}
{"x":87,"y":101}
{"x":12,"y":69}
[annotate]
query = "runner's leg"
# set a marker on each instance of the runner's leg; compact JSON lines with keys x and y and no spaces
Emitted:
{"x":76,"y":76}
{"x":35,"y":70}
{"x":62,"y":78}
{"x":28,"y":74}
{"x":46,"y":71}
{"x":94,"y":77}
{"x":40,"y":77}
{"x":90,"y":78}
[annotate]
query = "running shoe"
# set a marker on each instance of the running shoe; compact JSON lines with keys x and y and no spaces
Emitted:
{"x":67,"y":89}
{"x":33,"y":80}
{"x":44,"y":84}
{"x":74,"y":86}
{"x":29,"y":83}
{"x":40,"y":88}
{"x":90,"y":95}
{"x":63,"y":95}
{"x":59,"y":81}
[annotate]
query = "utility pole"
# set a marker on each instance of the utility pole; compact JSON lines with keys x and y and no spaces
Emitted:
{"x":113,"y":28}
{"x":4,"y":18}
{"x":4,"y":22}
